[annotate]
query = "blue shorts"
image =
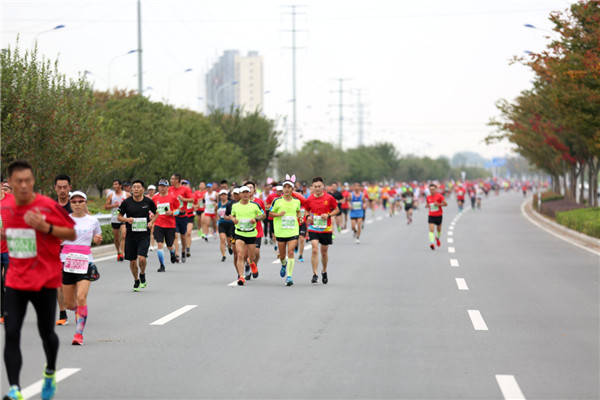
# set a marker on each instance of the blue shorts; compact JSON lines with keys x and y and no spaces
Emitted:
{"x":355,"y":214}
{"x":181,"y":225}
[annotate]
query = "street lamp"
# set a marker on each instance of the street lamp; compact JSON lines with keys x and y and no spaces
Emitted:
{"x":57,"y":27}
{"x":113,"y":59}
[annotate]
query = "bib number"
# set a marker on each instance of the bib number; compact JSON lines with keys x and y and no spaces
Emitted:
{"x":221,"y":212}
{"x":163,"y":208}
{"x":434,"y":207}
{"x":210,"y":209}
{"x":21,"y":243}
{"x":139,"y":225}
{"x":190,"y":205}
{"x":319,"y":222}
{"x":76,"y":263}
{"x":357,"y":205}
{"x":115,"y":212}
{"x":288,"y":222}
{"x":245,"y":225}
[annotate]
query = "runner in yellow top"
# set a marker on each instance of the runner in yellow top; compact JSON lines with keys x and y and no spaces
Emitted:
{"x":286,"y":211}
{"x":244,"y":215}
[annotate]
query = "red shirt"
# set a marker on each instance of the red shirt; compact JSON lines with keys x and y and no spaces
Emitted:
{"x":3,"y":244}
{"x":434,"y":210}
{"x":346,"y":204}
{"x":199,"y":199}
{"x":460,"y":193}
{"x":302,"y":199}
{"x":270,"y":199}
{"x":165,"y":221}
{"x":34,"y":256}
{"x":259,"y":225}
{"x":184,"y":192}
{"x":318,"y":206}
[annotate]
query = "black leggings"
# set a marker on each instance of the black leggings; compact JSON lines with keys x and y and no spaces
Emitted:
{"x":44,"y":303}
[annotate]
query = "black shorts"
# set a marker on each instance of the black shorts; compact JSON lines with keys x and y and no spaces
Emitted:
{"x":408,"y":207}
{"x":436,"y":220}
{"x":303,"y":229}
{"x":355,"y":218}
{"x":344,"y":211}
{"x":324,"y":238}
{"x":227,"y":228}
{"x":166,"y":235}
{"x":136,"y":245}
{"x":181,"y":225}
{"x":258,"y":242}
{"x":69,"y":278}
{"x":247,"y":240}
{"x":199,"y":212}
{"x":287,"y":239}
{"x":116,"y":225}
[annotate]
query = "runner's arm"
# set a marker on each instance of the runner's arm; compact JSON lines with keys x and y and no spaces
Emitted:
{"x":36,"y":220}
{"x":107,"y":205}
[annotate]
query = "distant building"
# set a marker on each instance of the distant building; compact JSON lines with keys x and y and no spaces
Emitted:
{"x":236,"y":81}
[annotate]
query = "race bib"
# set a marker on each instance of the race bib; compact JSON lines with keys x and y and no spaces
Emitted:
{"x":139,"y":225}
{"x":210,"y":208}
{"x":190,"y":205}
{"x":76,"y":263}
{"x":245,"y":225}
{"x":201,"y":203}
{"x":221,"y":212}
{"x":115,"y":212}
{"x":163,"y":208}
{"x":434,"y":207}
{"x":357,"y":205}
{"x":319,"y":222}
{"x":288,"y":222}
{"x":408,"y":200}
{"x":21,"y":243}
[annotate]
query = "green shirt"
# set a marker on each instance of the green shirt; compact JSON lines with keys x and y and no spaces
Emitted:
{"x":244,"y":213}
{"x":287,"y":225}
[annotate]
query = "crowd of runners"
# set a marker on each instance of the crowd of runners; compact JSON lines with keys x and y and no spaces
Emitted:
{"x":46,"y":243}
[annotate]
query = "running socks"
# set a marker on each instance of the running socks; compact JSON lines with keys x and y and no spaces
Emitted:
{"x":290,"y":267}
{"x":437,"y":234}
{"x":161,"y":257}
{"x":431,"y":237}
{"x":142,"y":278}
{"x":81,"y":317}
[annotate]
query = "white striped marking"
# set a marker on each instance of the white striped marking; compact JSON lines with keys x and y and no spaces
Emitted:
{"x":370,"y":221}
{"x":450,"y":240}
{"x":451,"y":250}
{"x":36,"y":388}
{"x":378,"y":218}
{"x":450,"y":233}
{"x":454,"y":262}
{"x":509,"y":387}
{"x":174,"y":314}
{"x":462,"y":284}
{"x":344,"y":231}
{"x":477,"y":320}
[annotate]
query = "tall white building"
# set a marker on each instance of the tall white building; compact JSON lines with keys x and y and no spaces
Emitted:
{"x":237,"y":81}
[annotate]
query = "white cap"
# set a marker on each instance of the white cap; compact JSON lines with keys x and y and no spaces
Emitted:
{"x":223,"y":191}
{"x":286,"y":183}
{"x":77,"y":193}
{"x":279,"y":188}
{"x":150,"y":187}
{"x":244,"y":189}
{"x":236,"y":190}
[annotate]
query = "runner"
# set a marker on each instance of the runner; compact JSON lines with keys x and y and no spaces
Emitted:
{"x":225,"y":226}
{"x":113,"y":201}
{"x":245,"y":215}
{"x":346,"y":205}
{"x":320,"y":207}
{"x":189,"y":213}
{"x":235,"y":197}
{"x":209,"y":218}
{"x":460,"y":197}
{"x":199,"y":207}
{"x":33,"y":226}
{"x":62,"y":187}
{"x":286,"y":211}
{"x":137,"y":208}
{"x":184,"y":195}
{"x":276,"y":193}
{"x":164,"y":227}
{"x":435,"y":202}
{"x":78,"y":263}
{"x":151,"y":193}
{"x":408,"y":198}
{"x":254,"y":256}
{"x":358,"y":206}
{"x":5,"y":197}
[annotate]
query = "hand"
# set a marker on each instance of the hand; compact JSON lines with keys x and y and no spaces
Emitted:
{"x":36,"y":220}
{"x":150,"y":225}
{"x":180,"y":198}
{"x":253,"y":221}
{"x":130,"y":220}
{"x":309,"y":220}
{"x":235,"y":220}
{"x":97,"y":239}
{"x":325,"y":216}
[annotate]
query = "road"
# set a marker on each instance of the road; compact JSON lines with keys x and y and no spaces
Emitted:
{"x":393,"y":322}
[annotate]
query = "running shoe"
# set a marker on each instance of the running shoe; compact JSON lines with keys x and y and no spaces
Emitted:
{"x":241,"y":281}
{"x":248,"y":274}
{"x":77,"y":340}
{"x":120,"y":257}
{"x":205,"y":238}
{"x":283,"y":270}
{"x":188,"y":254}
{"x":324,"y":278}
{"x":143,"y":285}
{"x":289,"y":281}
{"x":49,"y":386}
{"x":13,"y":393}
{"x":161,"y":269}
{"x":315,"y":279}
{"x":254,"y":270}
{"x":183,"y":258}
{"x":229,"y":250}
{"x":431,"y":246}
{"x":223,"y":259}
{"x":62,"y":321}
{"x":301,"y":258}
{"x":437,"y":241}
{"x":174,"y":258}
{"x":151,"y":248}
{"x":136,"y":286}
{"x":357,"y":241}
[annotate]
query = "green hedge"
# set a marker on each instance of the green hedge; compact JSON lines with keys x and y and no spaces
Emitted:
{"x":107,"y":234}
{"x":584,"y":220}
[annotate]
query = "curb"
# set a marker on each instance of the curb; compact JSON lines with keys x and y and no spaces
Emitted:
{"x":578,"y":239}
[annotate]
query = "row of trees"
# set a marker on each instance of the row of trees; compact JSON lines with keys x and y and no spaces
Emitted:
{"x":368,"y":163}
{"x":556,"y":123}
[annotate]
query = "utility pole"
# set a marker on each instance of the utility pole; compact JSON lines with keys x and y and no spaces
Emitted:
{"x":341,"y":105}
{"x":139,"y":49}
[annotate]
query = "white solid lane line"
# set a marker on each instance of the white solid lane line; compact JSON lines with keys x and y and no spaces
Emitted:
{"x":450,"y":240}
{"x":454,"y":262}
{"x":174,"y":314}
{"x":509,"y":387}
{"x":462,"y":284}
{"x":477,"y":320}
{"x":36,"y":388}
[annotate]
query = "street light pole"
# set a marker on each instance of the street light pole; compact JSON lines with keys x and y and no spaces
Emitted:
{"x":111,"y":62}
{"x":139,"y":49}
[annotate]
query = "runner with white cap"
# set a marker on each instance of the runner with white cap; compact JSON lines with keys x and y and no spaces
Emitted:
{"x":150,"y":194}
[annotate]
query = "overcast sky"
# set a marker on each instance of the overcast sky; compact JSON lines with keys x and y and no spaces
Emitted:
{"x":430,"y":72}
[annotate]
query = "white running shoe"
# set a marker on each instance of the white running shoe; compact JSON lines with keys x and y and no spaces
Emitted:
{"x":357,"y":241}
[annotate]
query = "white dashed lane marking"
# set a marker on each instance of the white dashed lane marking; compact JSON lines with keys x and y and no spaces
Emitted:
{"x":477,"y":320}
{"x":462,"y":284}
{"x":509,"y":387}
{"x":454,"y":262}
{"x":173,"y":315}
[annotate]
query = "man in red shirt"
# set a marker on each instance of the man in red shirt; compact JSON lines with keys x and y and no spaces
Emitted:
{"x":164,"y":227}
{"x":460,"y":196}
{"x":435,"y":202}
{"x":320,"y":207}
{"x":33,"y":226}
{"x":184,"y":195}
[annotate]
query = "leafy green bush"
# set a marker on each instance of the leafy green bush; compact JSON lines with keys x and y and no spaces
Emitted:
{"x":551,"y":196}
{"x":584,"y":220}
{"x":107,"y":234}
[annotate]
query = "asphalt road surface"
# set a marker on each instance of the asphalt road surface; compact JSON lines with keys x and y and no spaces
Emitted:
{"x":502,"y":309}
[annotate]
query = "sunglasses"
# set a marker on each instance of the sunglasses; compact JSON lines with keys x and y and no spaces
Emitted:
{"x":77,"y":201}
